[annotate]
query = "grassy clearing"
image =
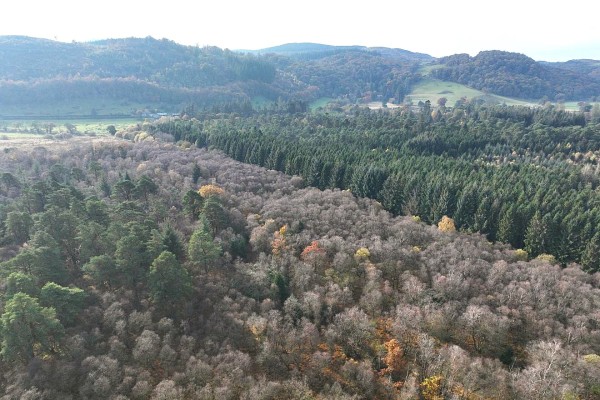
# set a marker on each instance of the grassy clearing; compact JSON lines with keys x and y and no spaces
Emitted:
{"x":25,"y":128}
{"x":574,"y":106}
{"x":433,"y":89}
{"x":17,"y":135}
{"x":320,"y":102}
{"x":260,"y":102}
{"x":85,"y":107}
{"x":426,"y":69}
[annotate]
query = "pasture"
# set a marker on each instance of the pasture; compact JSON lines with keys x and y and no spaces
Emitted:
{"x":433,"y":89}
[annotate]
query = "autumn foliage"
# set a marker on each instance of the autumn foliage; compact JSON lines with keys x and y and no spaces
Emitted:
{"x":210,"y":190}
{"x":278,"y":245}
{"x":446,"y":224}
{"x":299,"y":293}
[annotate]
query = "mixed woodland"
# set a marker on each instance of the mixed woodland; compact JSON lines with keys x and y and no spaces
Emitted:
{"x":139,"y":73}
{"x":519,"y":175}
{"x":516,"y":75}
{"x":411,"y":254}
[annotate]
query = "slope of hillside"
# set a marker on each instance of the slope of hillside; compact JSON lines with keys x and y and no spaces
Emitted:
{"x":170,"y":76}
{"x":587,"y":67}
{"x":433,"y":89}
{"x":160,"y":73}
{"x":516,"y":75}
{"x":160,"y":61}
{"x":317,"y":50}
{"x":42,"y":76}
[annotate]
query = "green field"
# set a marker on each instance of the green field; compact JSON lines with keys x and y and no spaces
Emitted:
{"x":426,"y":69}
{"x":261,"y":102}
{"x":320,"y":102}
{"x":23,"y":128}
{"x":574,"y":105}
{"x":17,"y":135}
{"x":92,"y":107}
{"x":433,"y":89}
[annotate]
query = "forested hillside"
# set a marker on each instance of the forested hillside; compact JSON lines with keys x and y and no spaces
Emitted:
{"x":524,"y":176}
{"x":130,"y":70}
{"x":161,"y":72}
{"x":588,"y":67}
{"x":516,"y":75}
{"x":309,"y":51}
{"x":158,"y":271}
{"x":54,"y":78}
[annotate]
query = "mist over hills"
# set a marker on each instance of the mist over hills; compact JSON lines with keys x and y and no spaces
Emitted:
{"x":141,"y":72}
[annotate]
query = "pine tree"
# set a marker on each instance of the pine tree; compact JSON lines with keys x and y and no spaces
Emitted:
{"x":466,"y":208}
{"x":536,"y":239}
{"x":169,"y":282}
{"x":590,"y":259}
{"x":392,"y":194}
{"x":202,"y":250}
{"x":28,"y":330}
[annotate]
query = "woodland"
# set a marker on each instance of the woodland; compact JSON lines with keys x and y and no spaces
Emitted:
{"x":137,"y":73}
{"x":406,"y":254}
{"x":516,"y":75}
{"x":519,"y":175}
{"x":259,"y":247}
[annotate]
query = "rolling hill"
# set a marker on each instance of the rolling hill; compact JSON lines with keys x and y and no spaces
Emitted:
{"x":317,"y":50}
{"x":516,"y":75}
{"x":40,"y":77}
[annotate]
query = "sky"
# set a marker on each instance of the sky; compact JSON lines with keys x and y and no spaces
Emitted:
{"x":543,"y":30}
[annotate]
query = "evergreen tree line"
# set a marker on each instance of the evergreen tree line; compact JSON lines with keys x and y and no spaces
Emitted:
{"x":519,"y":175}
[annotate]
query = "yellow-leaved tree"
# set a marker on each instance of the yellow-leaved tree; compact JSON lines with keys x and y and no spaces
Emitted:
{"x":210,"y":190}
{"x":362,"y":254}
{"x":446,"y":224}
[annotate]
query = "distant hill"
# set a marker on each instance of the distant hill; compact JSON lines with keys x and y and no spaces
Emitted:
{"x":142,"y":71}
{"x":516,"y":75}
{"x":317,"y":50}
{"x":161,"y":61}
{"x":164,"y":74}
{"x":587,"y":67}
{"x":136,"y":73}
{"x":295,"y":49}
{"x":352,"y":73}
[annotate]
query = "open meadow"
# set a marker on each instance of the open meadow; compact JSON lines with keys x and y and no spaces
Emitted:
{"x":432,"y":89}
{"x":10,"y":129}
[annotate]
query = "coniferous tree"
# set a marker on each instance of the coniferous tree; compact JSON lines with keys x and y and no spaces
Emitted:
{"x":213,"y":212}
{"x":536,"y":239}
{"x":20,"y":282}
{"x":202,"y":250}
{"x":67,"y":301}
{"x":466,"y":207}
{"x":392,"y":194}
{"x":196,"y":173}
{"x":18,"y":225}
{"x":172,"y":243}
{"x":131,"y":260}
{"x":169,"y":282}
{"x":192,"y":204}
{"x":28,"y":330}
{"x":590,"y":260}
{"x":102,"y":270}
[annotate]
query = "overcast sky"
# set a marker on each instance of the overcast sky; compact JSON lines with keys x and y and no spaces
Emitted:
{"x":543,"y":30}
